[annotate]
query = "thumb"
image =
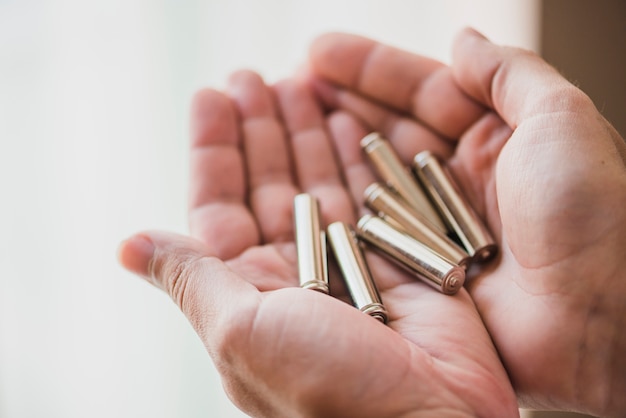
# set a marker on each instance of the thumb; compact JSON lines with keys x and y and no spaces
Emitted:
{"x":520,"y":86}
{"x":516,"y":83}
{"x":203,"y":286}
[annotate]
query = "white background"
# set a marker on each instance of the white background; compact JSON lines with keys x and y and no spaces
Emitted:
{"x":93,"y":127}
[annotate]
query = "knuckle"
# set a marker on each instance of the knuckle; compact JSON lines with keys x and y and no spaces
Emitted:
{"x":567,"y":98}
{"x":174,"y":274}
{"x":179,"y":280}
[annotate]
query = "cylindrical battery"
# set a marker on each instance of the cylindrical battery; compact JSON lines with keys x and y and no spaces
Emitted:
{"x":310,"y":244}
{"x":454,"y":208}
{"x":412,"y":255}
{"x":398,"y":178}
{"x":395,"y":211}
{"x":355,"y":272}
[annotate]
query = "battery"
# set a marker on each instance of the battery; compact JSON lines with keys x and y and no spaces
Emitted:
{"x":358,"y":279}
{"x":396,"y":212}
{"x":411,"y":254}
{"x":454,"y":207}
{"x":398,"y":178}
{"x":310,"y":244}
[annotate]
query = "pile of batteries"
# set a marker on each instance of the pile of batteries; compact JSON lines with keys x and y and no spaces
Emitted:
{"x":416,"y":216}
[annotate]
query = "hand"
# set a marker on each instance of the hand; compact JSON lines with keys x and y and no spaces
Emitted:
{"x":544,"y":169}
{"x":287,"y":351}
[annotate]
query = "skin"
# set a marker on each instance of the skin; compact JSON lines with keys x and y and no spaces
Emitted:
{"x":534,"y":157}
{"x":546,"y":172}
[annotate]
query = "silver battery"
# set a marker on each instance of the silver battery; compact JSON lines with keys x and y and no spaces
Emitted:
{"x":398,"y":178}
{"x":355,"y":272}
{"x":310,"y":244}
{"x":396,"y":212}
{"x":411,"y":254}
{"x":454,"y":208}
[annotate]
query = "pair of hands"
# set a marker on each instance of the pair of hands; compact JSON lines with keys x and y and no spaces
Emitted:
{"x":544,"y":324}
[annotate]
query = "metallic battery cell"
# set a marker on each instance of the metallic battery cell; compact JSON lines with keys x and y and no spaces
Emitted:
{"x":395,"y":211}
{"x":310,"y":243}
{"x":398,"y":177}
{"x":355,"y":272}
{"x":411,"y":254}
{"x":454,"y":208}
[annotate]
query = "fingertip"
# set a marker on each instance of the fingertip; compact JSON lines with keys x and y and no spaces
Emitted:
{"x":243,"y":74}
{"x":202,"y":98}
{"x":338,"y":56}
{"x":475,"y":61}
{"x":319,"y":49}
{"x":242,"y":79}
{"x":324,"y":43}
{"x":250,"y":94}
{"x":298,"y":105}
{"x":466,"y":40}
{"x":515,"y":82}
{"x":212,"y":118}
{"x":135,"y":254}
{"x":469,"y":32}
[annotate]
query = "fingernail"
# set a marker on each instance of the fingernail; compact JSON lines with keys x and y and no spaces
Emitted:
{"x":135,"y":254}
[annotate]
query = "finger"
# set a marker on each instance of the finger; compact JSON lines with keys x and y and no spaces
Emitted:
{"x":219,"y":304}
{"x":218,"y":215}
{"x":346,"y":133}
{"x":416,"y":85}
{"x":407,"y":136}
{"x":552,"y":121}
{"x":257,"y":338}
{"x":201,"y":285}
{"x":266,"y":155}
{"x":517,"y":83}
{"x":315,"y":160}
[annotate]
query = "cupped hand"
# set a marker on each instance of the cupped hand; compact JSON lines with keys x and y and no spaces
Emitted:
{"x":287,"y":351}
{"x":546,"y":172}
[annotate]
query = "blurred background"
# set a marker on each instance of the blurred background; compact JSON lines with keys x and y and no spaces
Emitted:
{"x":94,"y":98}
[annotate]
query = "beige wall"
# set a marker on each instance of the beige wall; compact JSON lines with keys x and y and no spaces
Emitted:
{"x":586,"y":41}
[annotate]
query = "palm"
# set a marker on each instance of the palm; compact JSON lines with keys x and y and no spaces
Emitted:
{"x":250,"y":157}
{"x":556,"y":221}
{"x":551,"y":196}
